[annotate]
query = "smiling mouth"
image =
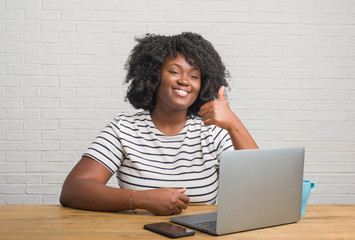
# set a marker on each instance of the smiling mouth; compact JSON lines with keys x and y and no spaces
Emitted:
{"x":181,"y":92}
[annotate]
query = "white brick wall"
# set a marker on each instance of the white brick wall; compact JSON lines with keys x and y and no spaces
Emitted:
{"x":61,"y":71}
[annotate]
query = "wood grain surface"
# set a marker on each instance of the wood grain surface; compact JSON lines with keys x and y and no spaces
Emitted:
{"x":57,"y":222}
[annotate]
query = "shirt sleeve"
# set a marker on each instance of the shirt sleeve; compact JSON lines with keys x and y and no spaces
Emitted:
{"x":107,"y":148}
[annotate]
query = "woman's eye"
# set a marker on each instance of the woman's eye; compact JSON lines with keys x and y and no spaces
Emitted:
{"x":194,"y":77}
{"x":174,"y":72}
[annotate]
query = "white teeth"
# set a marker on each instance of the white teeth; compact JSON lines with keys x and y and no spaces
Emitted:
{"x":181,"y":92}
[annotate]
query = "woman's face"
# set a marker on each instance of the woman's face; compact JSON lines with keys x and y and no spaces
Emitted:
{"x":179,"y":85}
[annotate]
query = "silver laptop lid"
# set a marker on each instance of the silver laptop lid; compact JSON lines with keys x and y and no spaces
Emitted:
{"x":266,"y":189}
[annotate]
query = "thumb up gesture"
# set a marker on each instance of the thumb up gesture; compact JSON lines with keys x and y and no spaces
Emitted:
{"x":218,"y":112}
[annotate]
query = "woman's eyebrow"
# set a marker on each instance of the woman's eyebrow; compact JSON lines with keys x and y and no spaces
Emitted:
{"x":179,"y":66}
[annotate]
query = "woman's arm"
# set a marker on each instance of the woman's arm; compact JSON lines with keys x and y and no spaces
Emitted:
{"x":219,"y":113}
{"x":85,"y":188}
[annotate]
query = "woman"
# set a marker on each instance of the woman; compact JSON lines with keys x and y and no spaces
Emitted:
{"x":165,"y":156}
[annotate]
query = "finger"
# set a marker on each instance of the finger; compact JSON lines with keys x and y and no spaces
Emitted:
{"x":181,"y":190}
{"x":221,"y":96}
{"x":176,"y":211}
{"x":205,"y":108}
{"x":184,"y":200}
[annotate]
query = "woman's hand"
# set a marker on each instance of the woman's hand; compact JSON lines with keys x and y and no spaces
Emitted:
{"x":218,"y":112}
{"x":161,"y":201}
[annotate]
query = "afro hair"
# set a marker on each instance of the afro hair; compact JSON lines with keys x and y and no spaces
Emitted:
{"x":146,"y":58}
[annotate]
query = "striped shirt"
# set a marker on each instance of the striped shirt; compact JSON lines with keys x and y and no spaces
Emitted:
{"x":144,"y":158}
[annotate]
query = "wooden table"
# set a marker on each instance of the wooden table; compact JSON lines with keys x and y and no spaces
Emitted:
{"x":56,"y":222}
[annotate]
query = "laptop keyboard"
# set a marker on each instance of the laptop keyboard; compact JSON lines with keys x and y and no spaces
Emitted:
{"x":211,"y":225}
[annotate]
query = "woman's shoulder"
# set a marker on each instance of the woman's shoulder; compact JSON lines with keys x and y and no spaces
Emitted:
{"x":132,"y":116}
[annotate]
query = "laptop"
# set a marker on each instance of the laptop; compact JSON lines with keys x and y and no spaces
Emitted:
{"x":258,"y":188}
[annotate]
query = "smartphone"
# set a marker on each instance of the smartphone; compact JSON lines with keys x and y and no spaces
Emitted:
{"x":169,"y":230}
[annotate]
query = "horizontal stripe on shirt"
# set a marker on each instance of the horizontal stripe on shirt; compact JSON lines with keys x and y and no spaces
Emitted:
{"x":144,"y":158}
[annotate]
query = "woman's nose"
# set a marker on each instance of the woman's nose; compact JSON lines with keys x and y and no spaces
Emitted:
{"x":184,"y":80}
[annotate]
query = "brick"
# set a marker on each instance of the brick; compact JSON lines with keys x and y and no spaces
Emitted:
{"x":12,"y":189}
{"x":70,"y":15}
{"x":94,"y":27}
{"x":2,"y":179}
{"x":221,"y":6}
{"x":94,"y":114}
{"x":77,"y":60}
{"x":42,"y":59}
{"x":203,"y":29}
{"x":165,"y":28}
{"x":88,"y":135}
{"x":106,"y":104}
{"x":128,"y":27}
{"x":76,"y":82}
{"x":305,"y":7}
{"x":51,"y":26}
{"x":21,"y":93}
{"x":22,"y":136}
{"x":10,"y":81}
{"x":46,"y":15}
{"x":62,"y":92}
{"x":94,"y":49}
{"x":93,"y":71}
{"x":75,"y":103}
{"x":329,"y":167}
{"x":58,"y":114}
{"x":10,"y":104}
{"x":22,"y":114}
{"x":93,"y":92}
{"x":12,"y":167}
{"x":40,"y":81}
{"x":40,"y":124}
{"x":165,"y":6}
{"x":54,"y":178}
{"x":58,"y":70}
{"x":330,"y":116}
{"x":47,"y":189}
{"x":23,"y":179}
{"x":10,"y":146}
{"x":40,"y":146}
{"x":22,"y":156}
{"x":113,"y":16}
{"x":12,"y":14}
{"x":26,"y":4}
{"x":21,"y":69}
{"x":112,"y":38}
{"x":66,"y":167}
{"x":75,"y":124}
{"x":147,"y":17}
{"x":53,"y":4}
{"x":58,"y":135}
{"x":23,"y":200}
{"x":2,"y":200}
{"x":75,"y":38}
{"x":75,"y":145}
{"x":61,"y":156}
{"x":128,"y":5}
{"x":21,"y":26}
{"x":40,"y":103}
{"x":58,"y":48}
{"x":42,"y":167}
{"x":51,"y":199}
{"x":94,"y":5}
{"x":119,"y":49}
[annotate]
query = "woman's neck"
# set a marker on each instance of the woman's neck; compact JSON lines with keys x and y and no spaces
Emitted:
{"x":169,"y":123}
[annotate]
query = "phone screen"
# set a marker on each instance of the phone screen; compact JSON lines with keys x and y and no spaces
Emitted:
{"x":169,"y":229}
